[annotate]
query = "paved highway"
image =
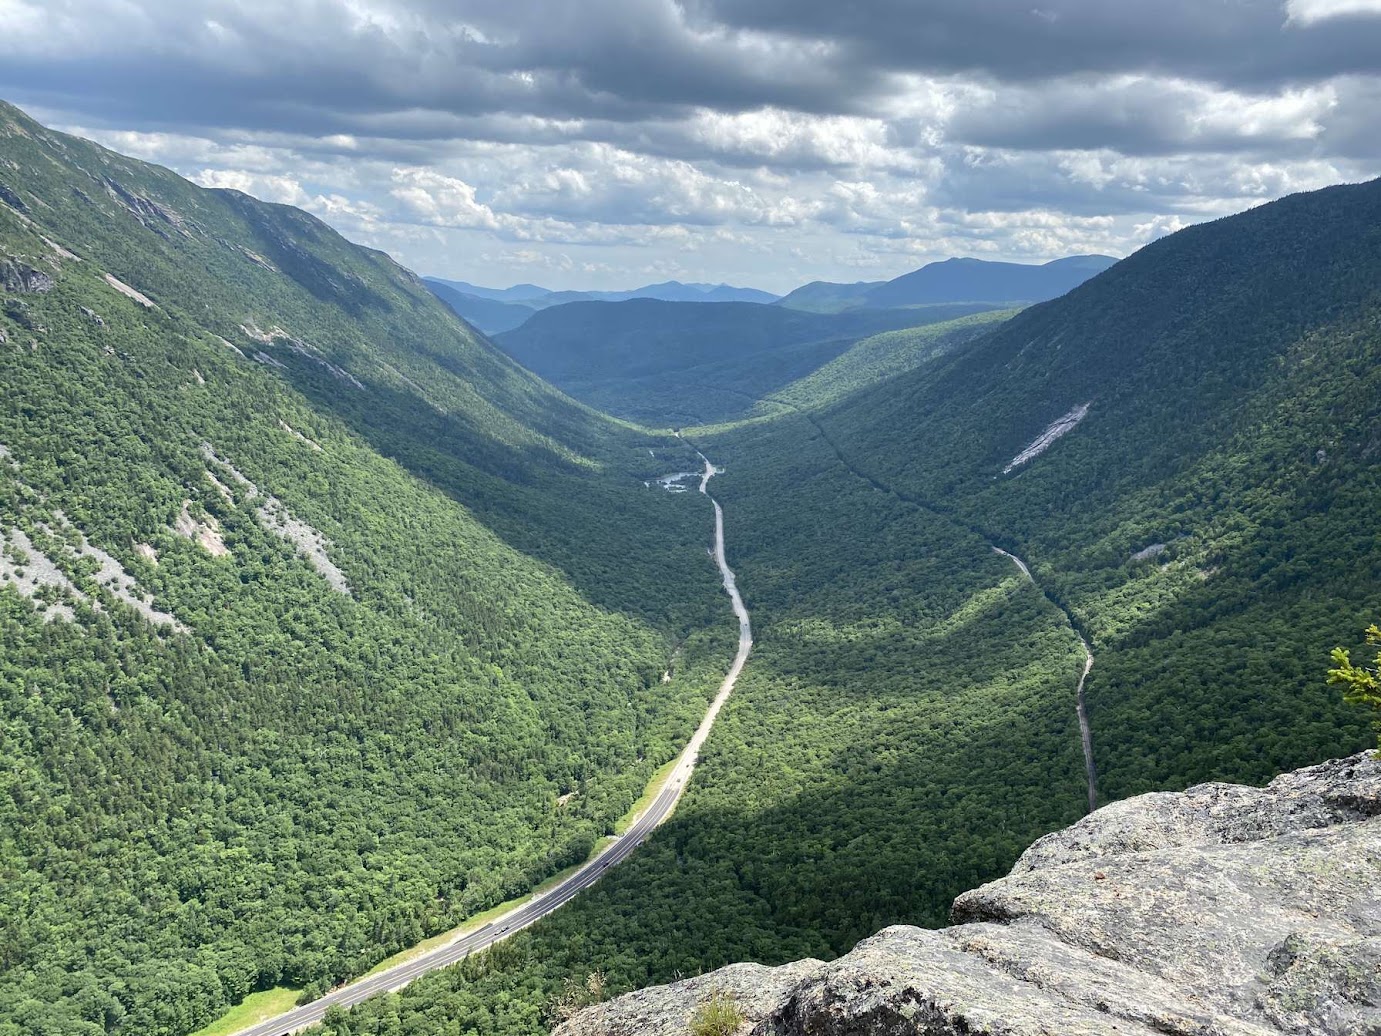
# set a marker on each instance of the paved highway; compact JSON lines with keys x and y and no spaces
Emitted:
{"x":1080,"y":707}
{"x":520,"y":917}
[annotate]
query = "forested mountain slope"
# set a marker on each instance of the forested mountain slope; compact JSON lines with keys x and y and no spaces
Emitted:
{"x":1205,"y":502}
{"x":903,"y":730}
{"x":671,"y":363}
{"x":322,"y":623}
{"x":879,"y":358}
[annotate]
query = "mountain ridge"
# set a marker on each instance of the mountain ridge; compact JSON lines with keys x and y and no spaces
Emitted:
{"x":681,"y":363}
{"x":960,"y":279}
{"x":495,"y":310}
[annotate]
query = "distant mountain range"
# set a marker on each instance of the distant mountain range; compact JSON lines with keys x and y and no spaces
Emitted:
{"x":953,"y":280}
{"x":668,"y":291}
{"x":491,"y":315}
{"x":496,"y":310}
{"x":651,"y":360}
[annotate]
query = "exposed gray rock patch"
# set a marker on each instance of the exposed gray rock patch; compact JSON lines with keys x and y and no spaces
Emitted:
{"x":128,"y":292}
{"x":221,"y":488}
{"x":19,"y":277}
{"x":233,"y":348}
{"x":758,"y":992}
{"x":297,"y":345}
{"x":63,"y":571}
{"x":275,"y":517}
{"x":27,"y":570}
{"x":59,"y":251}
{"x":256,"y":258}
{"x":111,"y":576}
{"x":205,"y":531}
{"x":311,"y":353}
{"x":298,"y":435}
{"x":153,"y":215}
{"x":1220,"y":911}
{"x":310,"y":543}
{"x":11,"y":198}
{"x":1155,"y":550}
{"x":1061,"y":426}
{"x":36,"y":574}
{"x":268,"y":337}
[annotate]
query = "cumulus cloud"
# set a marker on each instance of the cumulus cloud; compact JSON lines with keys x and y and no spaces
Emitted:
{"x":440,"y":200}
{"x":281,"y":189}
{"x":765,"y":140}
{"x":1306,"y":12}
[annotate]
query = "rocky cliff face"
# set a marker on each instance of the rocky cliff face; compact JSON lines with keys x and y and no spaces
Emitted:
{"x":1220,"y":911}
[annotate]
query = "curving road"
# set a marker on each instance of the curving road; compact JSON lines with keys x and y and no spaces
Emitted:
{"x":1085,"y":732}
{"x":520,"y":917}
{"x":1080,"y":708}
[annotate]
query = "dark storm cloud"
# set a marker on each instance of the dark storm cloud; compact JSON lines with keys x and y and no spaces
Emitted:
{"x":623,"y":70}
{"x":1018,"y":128}
{"x":321,"y":68}
{"x":1141,"y":116}
{"x":1243,"y":43}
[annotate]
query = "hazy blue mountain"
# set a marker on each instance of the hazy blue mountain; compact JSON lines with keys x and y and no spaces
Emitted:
{"x":516,"y":293}
{"x":668,"y":291}
{"x":953,"y":280}
{"x":684,"y":362}
{"x":487,"y":314}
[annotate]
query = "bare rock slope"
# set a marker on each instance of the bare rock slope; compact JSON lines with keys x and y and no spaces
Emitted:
{"x":1220,"y":911}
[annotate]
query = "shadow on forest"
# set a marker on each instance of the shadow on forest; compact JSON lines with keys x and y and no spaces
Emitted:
{"x":609,"y":539}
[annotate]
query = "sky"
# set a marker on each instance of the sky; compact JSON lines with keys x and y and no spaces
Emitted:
{"x":609,"y":143}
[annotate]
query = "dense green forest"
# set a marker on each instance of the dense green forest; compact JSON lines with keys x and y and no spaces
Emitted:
{"x":906,"y":724}
{"x":903,"y":730}
{"x":1211,"y":523}
{"x":312,"y":604}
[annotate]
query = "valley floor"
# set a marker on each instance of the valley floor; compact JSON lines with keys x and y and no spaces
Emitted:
{"x":672,"y":783}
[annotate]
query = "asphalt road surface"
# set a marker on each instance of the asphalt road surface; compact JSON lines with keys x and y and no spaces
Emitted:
{"x":556,"y":897}
{"x":1080,"y":706}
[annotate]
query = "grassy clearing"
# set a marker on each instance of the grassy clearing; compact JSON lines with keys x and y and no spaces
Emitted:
{"x":259,"y":1006}
{"x":254,"y":1009}
{"x":653,"y":789}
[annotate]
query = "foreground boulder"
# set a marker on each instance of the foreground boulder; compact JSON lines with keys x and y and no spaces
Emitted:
{"x":1220,"y":911}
